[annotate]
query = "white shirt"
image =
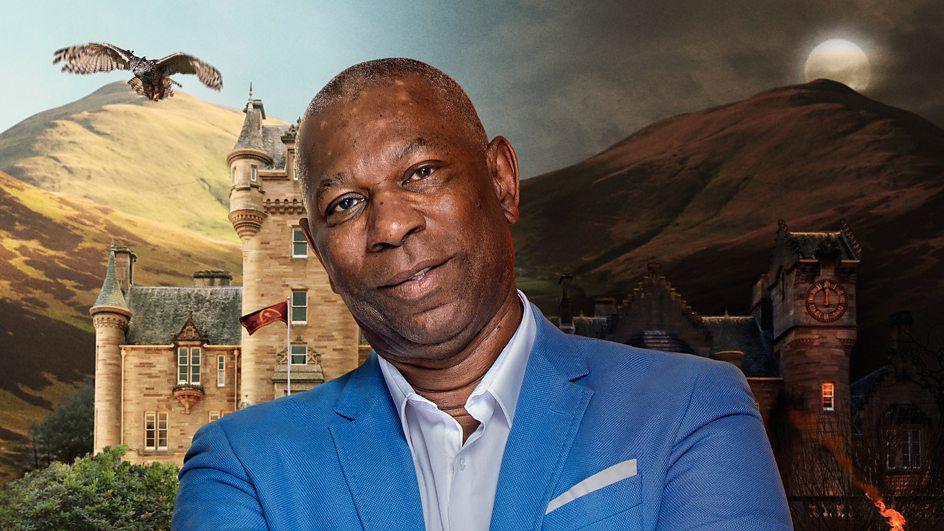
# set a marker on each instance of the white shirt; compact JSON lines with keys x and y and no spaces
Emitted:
{"x":457,"y":482}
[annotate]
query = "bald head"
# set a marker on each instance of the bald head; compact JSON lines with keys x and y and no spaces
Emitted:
{"x":347,"y":86}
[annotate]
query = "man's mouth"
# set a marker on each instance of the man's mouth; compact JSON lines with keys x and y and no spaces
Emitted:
{"x":415,"y":280}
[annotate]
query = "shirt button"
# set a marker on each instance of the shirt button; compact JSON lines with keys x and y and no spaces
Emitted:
{"x":462,"y":463}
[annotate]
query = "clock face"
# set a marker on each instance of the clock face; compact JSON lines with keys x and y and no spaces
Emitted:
{"x":826,"y":300}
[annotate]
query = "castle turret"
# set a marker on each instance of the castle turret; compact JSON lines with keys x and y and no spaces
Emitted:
{"x":246,"y":213}
{"x":110,"y":317}
{"x":812,"y":289}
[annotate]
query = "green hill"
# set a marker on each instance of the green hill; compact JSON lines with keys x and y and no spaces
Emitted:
{"x":134,"y":155}
{"x":110,"y":165}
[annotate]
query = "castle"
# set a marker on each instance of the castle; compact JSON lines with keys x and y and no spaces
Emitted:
{"x":794,"y":348}
{"x":170,"y":359}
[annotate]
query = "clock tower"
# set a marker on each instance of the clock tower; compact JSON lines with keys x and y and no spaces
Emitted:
{"x":810,"y":294}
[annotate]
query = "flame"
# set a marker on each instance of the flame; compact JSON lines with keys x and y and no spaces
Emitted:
{"x":894,"y":519}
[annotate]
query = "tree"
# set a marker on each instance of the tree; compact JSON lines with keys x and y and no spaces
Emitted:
{"x":834,"y":483}
{"x":66,"y":433}
{"x":94,"y":492}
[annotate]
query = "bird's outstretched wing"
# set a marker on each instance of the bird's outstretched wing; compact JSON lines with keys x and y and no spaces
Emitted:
{"x":181,"y":63}
{"x":93,"y":57}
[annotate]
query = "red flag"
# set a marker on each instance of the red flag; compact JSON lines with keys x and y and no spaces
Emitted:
{"x":270,"y":314}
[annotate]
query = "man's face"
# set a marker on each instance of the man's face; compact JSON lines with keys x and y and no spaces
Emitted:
{"x":410,"y":216}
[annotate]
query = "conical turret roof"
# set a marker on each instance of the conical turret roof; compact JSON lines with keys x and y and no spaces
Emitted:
{"x":110,"y":294}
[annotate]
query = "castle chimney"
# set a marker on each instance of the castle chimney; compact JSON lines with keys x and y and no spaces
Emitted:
{"x":124,"y":268}
{"x":899,"y":329}
{"x":211,"y":278}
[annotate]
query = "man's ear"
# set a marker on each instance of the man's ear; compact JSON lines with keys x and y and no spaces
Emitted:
{"x":303,"y":223}
{"x":503,"y":163}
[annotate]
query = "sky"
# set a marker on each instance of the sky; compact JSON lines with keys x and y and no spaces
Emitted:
{"x":562,"y":80}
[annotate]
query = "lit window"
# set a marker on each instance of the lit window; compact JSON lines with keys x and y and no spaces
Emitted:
{"x":220,"y":370}
{"x":299,"y":306}
{"x":299,"y":244}
{"x":829,"y":396}
{"x":214,"y":415}
{"x":188,"y":365}
{"x":299,"y":354}
{"x":155,"y":430}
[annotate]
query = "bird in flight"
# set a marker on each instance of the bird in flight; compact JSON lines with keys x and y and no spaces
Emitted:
{"x":151,"y":78}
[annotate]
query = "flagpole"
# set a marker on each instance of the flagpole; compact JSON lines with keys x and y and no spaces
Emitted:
{"x":288,"y":346}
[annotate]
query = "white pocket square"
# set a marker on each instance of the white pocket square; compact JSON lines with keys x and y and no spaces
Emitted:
{"x":617,"y":472}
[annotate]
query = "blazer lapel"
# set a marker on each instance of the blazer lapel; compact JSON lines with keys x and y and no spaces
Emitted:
{"x":550,"y":408}
{"x":374,"y":454}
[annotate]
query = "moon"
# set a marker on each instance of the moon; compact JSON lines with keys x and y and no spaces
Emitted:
{"x":839,"y":60}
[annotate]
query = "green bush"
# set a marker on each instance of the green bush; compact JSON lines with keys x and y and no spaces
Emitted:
{"x":94,"y":492}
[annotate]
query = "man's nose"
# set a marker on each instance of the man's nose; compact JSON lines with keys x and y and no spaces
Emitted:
{"x":391,"y":221}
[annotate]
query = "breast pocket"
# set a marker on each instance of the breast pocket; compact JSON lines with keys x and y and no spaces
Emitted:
{"x":615,"y":506}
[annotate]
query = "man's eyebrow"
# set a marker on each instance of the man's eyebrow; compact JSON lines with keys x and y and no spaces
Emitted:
{"x":412,"y":146}
{"x":327,"y":183}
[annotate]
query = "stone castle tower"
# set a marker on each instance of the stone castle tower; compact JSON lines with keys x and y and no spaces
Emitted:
{"x":169,"y":359}
{"x":807,"y":301}
{"x":265,"y":206}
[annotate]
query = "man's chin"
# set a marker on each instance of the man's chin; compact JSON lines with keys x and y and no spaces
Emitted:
{"x":434,"y":326}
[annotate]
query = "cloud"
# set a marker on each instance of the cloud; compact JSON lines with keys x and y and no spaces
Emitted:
{"x":566,"y":81}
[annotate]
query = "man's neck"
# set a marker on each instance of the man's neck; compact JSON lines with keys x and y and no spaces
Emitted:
{"x":449,"y":387}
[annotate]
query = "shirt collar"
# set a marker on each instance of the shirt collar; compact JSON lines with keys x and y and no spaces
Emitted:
{"x":502,"y":380}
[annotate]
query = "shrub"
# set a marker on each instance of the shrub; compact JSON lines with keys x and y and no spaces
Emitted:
{"x":94,"y":492}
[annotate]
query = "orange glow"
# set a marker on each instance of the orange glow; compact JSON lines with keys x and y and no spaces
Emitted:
{"x":895,"y":520}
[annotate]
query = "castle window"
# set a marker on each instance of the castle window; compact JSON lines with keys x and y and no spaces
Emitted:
{"x":299,"y":306}
{"x":904,"y":449}
{"x":155,"y":430}
{"x":220,"y":370}
{"x":188,"y":365}
{"x":254,"y":174}
{"x":299,"y":353}
{"x":214,"y":415}
{"x":828,"y":391}
{"x":299,"y":243}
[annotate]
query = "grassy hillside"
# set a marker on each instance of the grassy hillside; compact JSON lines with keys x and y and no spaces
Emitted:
{"x":52,"y":260}
{"x":134,"y":155}
{"x":702,"y":192}
{"x":111,"y":165}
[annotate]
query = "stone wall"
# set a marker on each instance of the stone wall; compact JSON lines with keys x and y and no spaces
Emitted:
{"x":330,"y":328}
{"x":150,"y":375}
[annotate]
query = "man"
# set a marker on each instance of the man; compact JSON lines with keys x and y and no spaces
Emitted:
{"x":473,"y":411}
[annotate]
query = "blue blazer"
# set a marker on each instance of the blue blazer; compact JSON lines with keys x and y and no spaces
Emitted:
{"x":335,"y":457}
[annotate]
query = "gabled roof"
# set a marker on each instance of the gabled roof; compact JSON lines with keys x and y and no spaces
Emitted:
{"x":161,"y":312}
{"x":861,"y":389}
{"x":110,"y":294}
{"x":653,"y":278}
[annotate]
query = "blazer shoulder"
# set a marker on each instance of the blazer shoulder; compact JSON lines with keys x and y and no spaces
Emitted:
{"x":277,"y":415}
{"x":620,"y":359}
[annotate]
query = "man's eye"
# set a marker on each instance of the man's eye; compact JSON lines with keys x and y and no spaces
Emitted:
{"x":421,"y":173}
{"x":343,"y":204}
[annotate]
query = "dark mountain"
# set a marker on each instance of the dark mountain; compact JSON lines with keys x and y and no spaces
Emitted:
{"x":702,"y":193}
